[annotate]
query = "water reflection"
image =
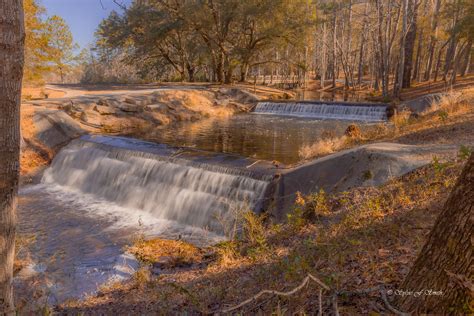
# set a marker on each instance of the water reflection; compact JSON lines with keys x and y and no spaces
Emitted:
{"x":347,"y":96}
{"x":264,"y":137}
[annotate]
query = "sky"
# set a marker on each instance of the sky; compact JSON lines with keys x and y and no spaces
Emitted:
{"x":82,"y":16}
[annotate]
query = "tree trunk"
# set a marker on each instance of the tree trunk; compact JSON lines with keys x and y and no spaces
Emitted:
{"x":445,"y":263}
{"x":434,"y":39}
{"x":451,"y":52}
{"x":12,"y":37}
{"x":323,"y":56}
{"x":361,"y":49}
{"x":401,"y":62}
{"x":467,"y":60}
{"x":410,"y":44}
{"x":244,"y":70}
{"x":457,"y":61}
{"x":334,"y":39}
{"x":417,"y":71}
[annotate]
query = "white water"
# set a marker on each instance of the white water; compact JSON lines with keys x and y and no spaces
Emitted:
{"x":371,"y":113}
{"x":157,"y":187}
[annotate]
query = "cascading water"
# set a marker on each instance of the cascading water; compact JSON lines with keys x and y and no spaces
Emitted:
{"x":165,"y":187}
{"x":362,"y":112}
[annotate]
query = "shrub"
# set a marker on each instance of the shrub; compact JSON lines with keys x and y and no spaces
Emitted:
{"x":353,"y":131}
{"x":401,"y":119}
{"x":464,"y":152}
{"x":253,"y":230}
{"x":319,"y":203}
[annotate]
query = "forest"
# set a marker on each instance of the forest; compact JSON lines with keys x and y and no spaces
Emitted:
{"x":236,"y":157}
{"x":365,"y":44}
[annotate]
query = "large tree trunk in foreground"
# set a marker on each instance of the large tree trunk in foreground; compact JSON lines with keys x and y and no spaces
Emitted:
{"x":11,"y":70}
{"x":445,"y":264}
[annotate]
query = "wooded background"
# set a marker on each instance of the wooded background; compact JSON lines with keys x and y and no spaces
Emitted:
{"x":378,"y":44}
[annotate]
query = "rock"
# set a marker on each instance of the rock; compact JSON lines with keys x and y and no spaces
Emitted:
{"x":109,"y":102}
{"x":159,"y":118}
{"x":128,"y":107}
{"x":130,"y":101}
{"x":158,"y":107}
{"x":104,"y":110}
{"x":353,"y":131}
{"x":137,"y":100}
{"x":75,"y":114}
{"x":83,"y":105}
{"x":150,"y":99}
{"x":92,"y":118}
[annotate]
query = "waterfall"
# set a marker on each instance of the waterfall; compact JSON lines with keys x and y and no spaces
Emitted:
{"x":169,"y":188}
{"x":357,"y":112}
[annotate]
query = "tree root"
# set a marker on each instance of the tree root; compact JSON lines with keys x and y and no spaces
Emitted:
{"x":334,"y":296}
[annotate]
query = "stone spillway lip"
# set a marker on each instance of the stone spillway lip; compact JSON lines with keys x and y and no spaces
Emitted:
{"x":322,"y":110}
{"x":344,"y":103}
{"x":218,"y":162}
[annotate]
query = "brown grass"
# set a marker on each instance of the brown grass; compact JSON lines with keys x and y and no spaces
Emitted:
{"x":323,"y":147}
{"x":169,"y":252}
{"x":33,"y":155}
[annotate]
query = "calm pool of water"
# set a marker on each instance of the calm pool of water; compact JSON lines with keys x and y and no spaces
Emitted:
{"x":265,"y":137}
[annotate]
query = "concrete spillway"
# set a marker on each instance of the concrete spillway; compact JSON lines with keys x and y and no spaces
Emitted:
{"x":203,"y":189}
{"x":325,"y":110}
{"x":149,"y":177}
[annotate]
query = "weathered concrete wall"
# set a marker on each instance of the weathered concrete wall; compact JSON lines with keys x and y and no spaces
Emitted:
{"x":54,"y":128}
{"x":367,"y":165}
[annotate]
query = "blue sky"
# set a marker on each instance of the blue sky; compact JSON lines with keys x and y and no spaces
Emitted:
{"x":82,"y":16}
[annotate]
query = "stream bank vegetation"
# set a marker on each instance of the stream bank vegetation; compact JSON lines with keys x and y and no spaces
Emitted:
{"x":348,"y":251}
{"x":446,"y":115}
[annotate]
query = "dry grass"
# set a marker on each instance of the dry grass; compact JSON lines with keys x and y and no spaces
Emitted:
{"x":323,"y":147}
{"x":451,"y":108}
{"x":170,"y":253}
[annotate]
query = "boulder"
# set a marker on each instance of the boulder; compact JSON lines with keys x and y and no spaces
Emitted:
{"x":83,"y":105}
{"x":105,"y":110}
{"x":136,"y":100}
{"x":110,"y":102}
{"x":92,"y":118}
{"x":157,"y":107}
{"x":129,"y":107}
